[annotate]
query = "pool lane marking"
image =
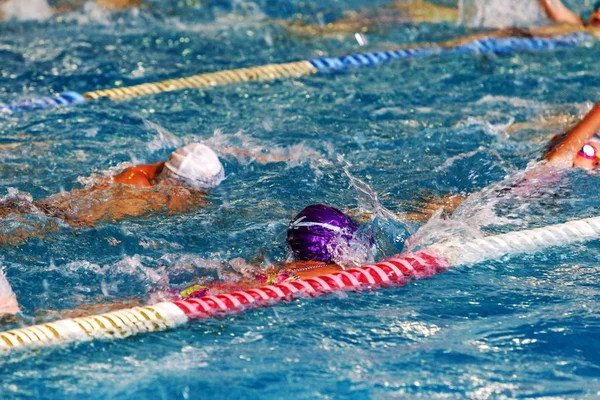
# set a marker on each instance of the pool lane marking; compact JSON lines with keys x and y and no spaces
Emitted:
{"x":169,"y":314}
{"x":264,"y":72}
{"x":298,"y":69}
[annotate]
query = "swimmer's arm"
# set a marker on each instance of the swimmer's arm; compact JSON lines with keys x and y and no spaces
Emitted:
{"x":423,"y":213}
{"x":557,"y":12}
{"x":118,"y":4}
{"x":564,"y":153}
{"x":72,"y":5}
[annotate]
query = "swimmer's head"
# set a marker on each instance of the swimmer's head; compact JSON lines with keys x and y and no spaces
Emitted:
{"x":195,"y":165}
{"x":589,"y":155}
{"x":317,"y":231}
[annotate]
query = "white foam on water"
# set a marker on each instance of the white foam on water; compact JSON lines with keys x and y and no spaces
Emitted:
{"x":501,"y":13}
{"x":26,"y":9}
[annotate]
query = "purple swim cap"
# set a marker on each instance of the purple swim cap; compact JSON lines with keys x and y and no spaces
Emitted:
{"x":317,"y":231}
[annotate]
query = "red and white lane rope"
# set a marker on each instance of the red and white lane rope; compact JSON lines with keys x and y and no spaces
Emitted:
{"x":394,"y":271}
{"x":128,"y":322}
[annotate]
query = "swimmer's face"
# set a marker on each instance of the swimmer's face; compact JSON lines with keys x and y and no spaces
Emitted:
{"x":588,"y":157}
{"x":595,"y":19}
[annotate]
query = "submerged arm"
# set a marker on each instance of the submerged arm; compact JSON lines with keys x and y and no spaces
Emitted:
{"x":557,"y":12}
{"x":564,"y":152}
{"x":430,"y":205}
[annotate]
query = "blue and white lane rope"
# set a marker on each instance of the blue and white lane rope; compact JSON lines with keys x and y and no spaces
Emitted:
{"x":41,"y":103}
{"x":504,"y":45}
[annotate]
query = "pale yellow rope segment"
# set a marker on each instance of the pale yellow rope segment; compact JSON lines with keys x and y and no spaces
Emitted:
{"x":260,"y":73}
{"x":112,"y":325}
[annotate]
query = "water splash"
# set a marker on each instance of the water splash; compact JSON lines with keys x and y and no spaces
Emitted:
{"x":383,"y":233}
{"x":163,"y":139}
{"x":98,"y":177}
{"x":449,"y":162}
{"x":247,"y":149}
{"x":26,"y":9}
{"x":91,"y":12}
{"x":501,"y":13}
{"x":528,"y":197}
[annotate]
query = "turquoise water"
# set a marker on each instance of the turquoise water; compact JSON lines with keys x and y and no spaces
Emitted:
{"x":520,"y":327}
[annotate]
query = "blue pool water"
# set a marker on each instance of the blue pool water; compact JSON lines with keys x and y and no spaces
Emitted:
{"x":519,"y":327}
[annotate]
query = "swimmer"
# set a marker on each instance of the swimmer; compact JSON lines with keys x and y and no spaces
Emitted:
{"x":320,"y":238}
{"x":558,"y":13}
{"x":566,"y":22}
{"x":421,"y":11}
{"x":371,"y":19}
{"x":62,"y":6}
{"x":174,"y":186}
{"x":578,"y":147}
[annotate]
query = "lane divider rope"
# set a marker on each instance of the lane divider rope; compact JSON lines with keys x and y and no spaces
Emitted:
{"x":395,"y":271}
{"x":486,"y":45}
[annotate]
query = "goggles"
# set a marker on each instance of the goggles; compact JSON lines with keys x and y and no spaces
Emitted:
{"x":589,"y":151}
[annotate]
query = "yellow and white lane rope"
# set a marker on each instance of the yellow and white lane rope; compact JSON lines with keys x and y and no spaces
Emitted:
{"x":211,"y":79}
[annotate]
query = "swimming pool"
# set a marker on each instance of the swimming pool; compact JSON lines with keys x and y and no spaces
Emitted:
{"x":516,"y":327}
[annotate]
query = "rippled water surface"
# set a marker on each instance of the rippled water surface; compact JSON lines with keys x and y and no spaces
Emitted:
{"x":519,"y":327}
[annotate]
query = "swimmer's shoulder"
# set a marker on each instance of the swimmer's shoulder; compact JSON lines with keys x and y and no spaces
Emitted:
{"x":139,"y":175}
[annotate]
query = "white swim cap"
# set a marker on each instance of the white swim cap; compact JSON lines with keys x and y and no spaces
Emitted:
{"x":196,"y":165}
